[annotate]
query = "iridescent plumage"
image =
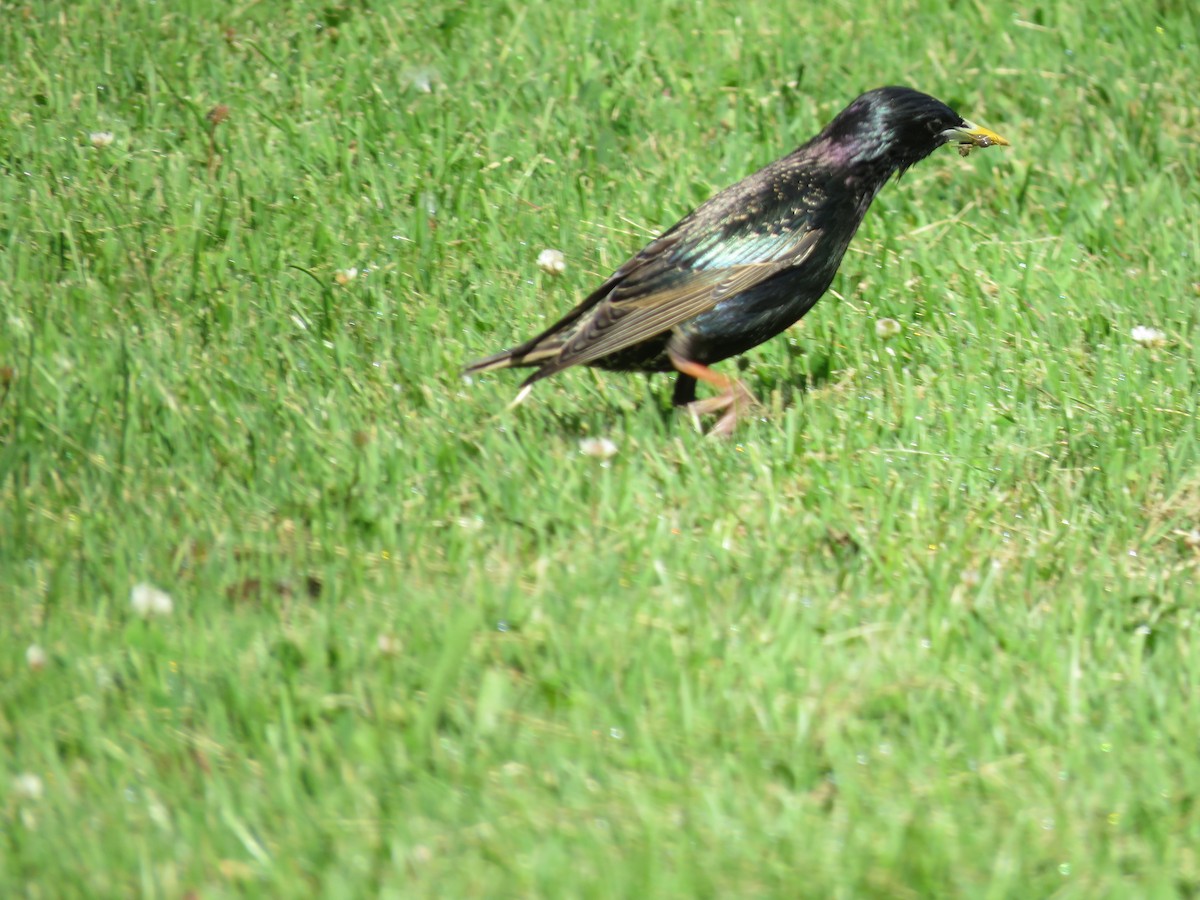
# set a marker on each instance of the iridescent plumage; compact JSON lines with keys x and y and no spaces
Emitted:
{"x":750,"y":261}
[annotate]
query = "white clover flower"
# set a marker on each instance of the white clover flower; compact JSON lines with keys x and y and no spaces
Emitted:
{"x":423,"y":80}
{"x":387,"y":645}
{"x":1147,"y":336}
{"x":147,"y":601}
{"x":27,"y":786}
{"x":601,"y":448}
{"x":886,"y":329}
{"x":420,"y":855}
{"x":35,"y":658}
{"x":552,"y":262}
{"x":101,"y":139}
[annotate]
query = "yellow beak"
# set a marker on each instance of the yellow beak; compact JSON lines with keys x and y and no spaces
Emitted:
{"x":970,"y":136}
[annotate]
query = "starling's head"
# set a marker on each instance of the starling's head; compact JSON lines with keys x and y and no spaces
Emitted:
{"x":894,"y":127}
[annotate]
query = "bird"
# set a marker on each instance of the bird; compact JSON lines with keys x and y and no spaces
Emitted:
{"x":747,"y":263}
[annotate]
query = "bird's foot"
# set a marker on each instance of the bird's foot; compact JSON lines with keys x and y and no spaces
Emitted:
{"x":735,"y":398}
{"x":736,"y":401}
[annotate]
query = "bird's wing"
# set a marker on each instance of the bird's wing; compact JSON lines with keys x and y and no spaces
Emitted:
{"x":663,"y":287}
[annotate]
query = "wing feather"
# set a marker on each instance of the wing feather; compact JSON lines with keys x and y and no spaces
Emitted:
{"x":638,"y":308}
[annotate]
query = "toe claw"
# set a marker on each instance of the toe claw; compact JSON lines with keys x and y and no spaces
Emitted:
{"x":735,"y":398}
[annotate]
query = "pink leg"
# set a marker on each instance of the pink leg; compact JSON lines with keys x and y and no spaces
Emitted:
{"x":735,"y":397}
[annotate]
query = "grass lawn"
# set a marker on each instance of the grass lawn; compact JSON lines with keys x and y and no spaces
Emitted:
{"x":927,"y":628}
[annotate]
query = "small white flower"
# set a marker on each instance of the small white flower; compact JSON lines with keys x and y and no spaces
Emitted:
{"x":423,"y":80}
{"x":420,"y":854}
{"x":147,"y":601}
{"x":1147,"y":336}
{"x":35,"y":657}
{"x":552,"y":262}
{"x":27,"y":786}
{"x":387,"y":645}
{"x":601,"y":448}
{"x":101,"y":139}
{"x":886,"y":329}
{"x":344,"y":276}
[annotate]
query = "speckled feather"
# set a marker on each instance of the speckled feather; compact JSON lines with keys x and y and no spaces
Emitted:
{"x":750,"y":261}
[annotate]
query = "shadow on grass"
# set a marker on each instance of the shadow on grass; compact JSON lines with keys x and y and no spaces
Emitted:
{"x":595,"y":408}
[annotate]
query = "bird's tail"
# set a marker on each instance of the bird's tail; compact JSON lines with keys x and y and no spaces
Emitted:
{"x":502,"y":360}
{"x":536,"y":353}
{"x":526,"y":355}
{"x":531,"y":353}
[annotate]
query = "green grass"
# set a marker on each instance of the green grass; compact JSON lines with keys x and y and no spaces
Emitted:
{"x":926,"y":629}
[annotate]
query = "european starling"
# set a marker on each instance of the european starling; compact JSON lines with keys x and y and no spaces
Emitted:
{"x":750,"y":261}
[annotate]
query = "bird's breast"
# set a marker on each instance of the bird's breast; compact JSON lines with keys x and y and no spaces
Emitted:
{"x":745,"y":320}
